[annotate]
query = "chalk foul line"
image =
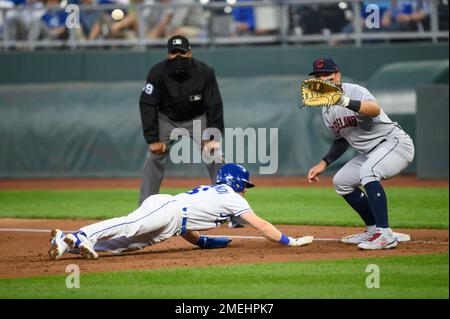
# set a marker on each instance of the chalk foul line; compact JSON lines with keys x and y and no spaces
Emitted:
{"x":37,"y":230}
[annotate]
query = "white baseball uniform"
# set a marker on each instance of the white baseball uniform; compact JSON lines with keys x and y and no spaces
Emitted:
{"x":163,"y":216}
{"x":385,"y":149}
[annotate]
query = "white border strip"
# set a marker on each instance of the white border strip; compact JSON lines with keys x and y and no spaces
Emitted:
{"x":37,"y":230}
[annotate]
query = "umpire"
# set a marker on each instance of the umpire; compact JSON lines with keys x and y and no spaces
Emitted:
{"x":178,"y":90}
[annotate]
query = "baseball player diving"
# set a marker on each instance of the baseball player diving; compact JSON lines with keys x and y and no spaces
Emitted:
{"x":355,"y":119}
{"x":162,"y":216}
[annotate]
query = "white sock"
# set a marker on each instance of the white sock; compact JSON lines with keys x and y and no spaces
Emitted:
{"x":385,"y":230}
{"x":371,"y":229}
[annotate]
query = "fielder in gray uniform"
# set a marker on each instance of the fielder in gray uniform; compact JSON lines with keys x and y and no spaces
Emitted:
{"x":384,"y":151}
{"x":162,"y":216}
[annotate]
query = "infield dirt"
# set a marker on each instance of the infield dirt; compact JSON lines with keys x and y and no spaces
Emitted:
{"x":24,"y":254}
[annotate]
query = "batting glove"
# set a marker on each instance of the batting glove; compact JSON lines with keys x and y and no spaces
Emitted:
{"x":300,"y":241}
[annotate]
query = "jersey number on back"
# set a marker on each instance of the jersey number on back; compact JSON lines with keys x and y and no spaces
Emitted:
{"x":218,"y":188}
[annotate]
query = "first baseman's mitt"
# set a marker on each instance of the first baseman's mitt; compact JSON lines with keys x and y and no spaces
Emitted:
{"x":317,"y":92}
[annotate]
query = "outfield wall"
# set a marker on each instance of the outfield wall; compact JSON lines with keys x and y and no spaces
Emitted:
{"x":76,"y":128}
{"x":123,"y":65}
{"x":432,"y":131}
{"x":94,"y":129}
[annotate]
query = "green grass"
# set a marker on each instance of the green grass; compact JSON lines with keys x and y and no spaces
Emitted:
{"x":408,"y":207}
{"x":424,"y":276}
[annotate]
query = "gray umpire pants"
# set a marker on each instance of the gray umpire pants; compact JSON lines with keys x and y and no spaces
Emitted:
{"x":154,"y":167}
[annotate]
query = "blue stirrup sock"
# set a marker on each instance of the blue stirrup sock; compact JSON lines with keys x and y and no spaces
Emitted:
{"x":78,"y":242}
{"x":358,"y":201}
{"x":378,"y":203}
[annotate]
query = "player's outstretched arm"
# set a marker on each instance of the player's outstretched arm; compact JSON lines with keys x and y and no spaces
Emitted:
{"x":370,"y":108}
{"x":191,"y":236}
{"x":363,"y":107}
{"x":270,"y":232}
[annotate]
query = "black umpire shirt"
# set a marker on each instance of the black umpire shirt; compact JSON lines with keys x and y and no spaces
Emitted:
{"x":180,"y":100}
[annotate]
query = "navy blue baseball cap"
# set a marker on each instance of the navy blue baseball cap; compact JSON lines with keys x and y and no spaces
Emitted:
{"x":324,"y":65}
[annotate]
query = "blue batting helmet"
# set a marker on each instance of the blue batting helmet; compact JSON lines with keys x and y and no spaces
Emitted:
{"x":235,"y":176}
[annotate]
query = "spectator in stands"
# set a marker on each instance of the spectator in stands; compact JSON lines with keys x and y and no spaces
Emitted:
{"x":317,"y":18}
{"x":4,"y":4}
{"x":187,"y":21}
{"x":89,"y":21}
{"x":267,"y":20}
{"x":128,"y":27}
{"x":221,"y":20}
{"x":244,"y":19}
{"x":19,"y":21}
{"x":52,"y":24}
{"x":367,"y":12}
{"x":100,"y":24}
{"x":255,"y":20}
{"x":157,"y":19}
{"x":407,"y":16}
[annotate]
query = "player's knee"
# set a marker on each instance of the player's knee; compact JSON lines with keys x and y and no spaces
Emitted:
{"x":369,"y":174}
{"x":336,"y":180}
{"x":340,"y":185}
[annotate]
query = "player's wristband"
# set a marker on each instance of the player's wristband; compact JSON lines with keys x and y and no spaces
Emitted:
{"x":354,"y":105}
{"x":284,"y":240}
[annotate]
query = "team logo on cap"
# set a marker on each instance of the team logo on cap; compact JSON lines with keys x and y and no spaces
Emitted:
{"x":177,"y":42}
{"x":319,"y":63}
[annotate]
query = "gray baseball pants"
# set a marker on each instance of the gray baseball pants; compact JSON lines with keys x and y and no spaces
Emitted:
{"x":385,"y":161}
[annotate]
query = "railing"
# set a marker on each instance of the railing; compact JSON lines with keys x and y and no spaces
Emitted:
{"x":282,"y":16}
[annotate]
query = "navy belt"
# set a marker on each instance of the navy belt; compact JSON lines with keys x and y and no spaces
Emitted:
{"x":184,"y":220}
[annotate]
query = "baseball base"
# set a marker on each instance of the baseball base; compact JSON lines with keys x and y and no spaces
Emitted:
{"x":402,"y":237}
{"x":306,"y":240}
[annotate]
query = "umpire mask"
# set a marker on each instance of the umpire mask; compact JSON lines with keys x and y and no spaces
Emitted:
{"x":179,"y":67}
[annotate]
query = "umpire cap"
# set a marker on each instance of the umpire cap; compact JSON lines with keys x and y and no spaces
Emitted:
{"x":324,"y":65}
{"x":178,"y":42}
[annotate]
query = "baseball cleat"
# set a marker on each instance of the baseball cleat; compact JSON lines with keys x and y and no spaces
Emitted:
{"x":57,"y":245}
{"x":80,"y":241}
{"x":382,"y":239}
{"x":361,"y":237}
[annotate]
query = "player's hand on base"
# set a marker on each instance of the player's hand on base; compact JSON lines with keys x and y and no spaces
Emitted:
{"x":300,"y":241}
{"x":157,"y":148}
{"x":315,"y":171}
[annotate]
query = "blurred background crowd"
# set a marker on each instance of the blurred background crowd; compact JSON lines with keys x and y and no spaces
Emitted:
{"x":25,"y":23}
